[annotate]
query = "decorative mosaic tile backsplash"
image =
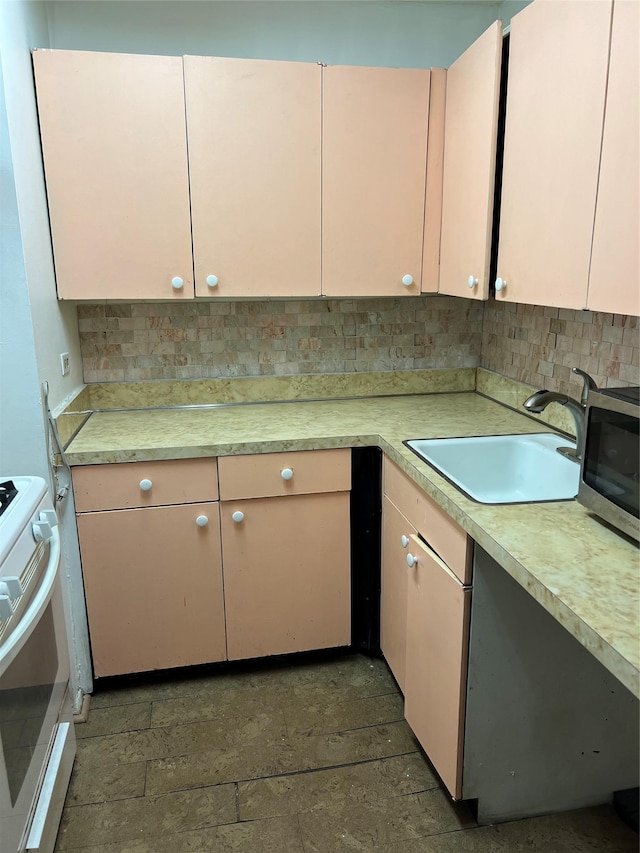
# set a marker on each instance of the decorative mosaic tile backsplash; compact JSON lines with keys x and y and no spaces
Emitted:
{"x":209,"y":339}
{"x":540,"y":345}
{"x":170,"y":340}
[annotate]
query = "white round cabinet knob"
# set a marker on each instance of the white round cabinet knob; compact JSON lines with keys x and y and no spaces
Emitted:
{"x":500,"y":284}
{"x":407,"y":280}
{"x":238,"y":516}
{"x":404,"y":540}
{"x":202,"y":521}
{"x":411,"y":560}
{"x":177,"y":283}
{"x":286,"y":473}
{"x":212,"y":280}
{"x":472,"y":282}
{"x":145,"y":485}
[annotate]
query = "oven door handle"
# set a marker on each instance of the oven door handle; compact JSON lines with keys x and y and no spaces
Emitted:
{"x":34,"y":611}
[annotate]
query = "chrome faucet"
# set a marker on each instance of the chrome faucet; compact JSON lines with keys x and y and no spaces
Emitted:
{"x":539,"y":401}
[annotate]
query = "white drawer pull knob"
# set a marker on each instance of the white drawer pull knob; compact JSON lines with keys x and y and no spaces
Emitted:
{"x":407,"y":280}
{"x":177,"y":283}
{"x":500,"y":284}
{"x":472,"y":282}
{"x":286,"y":473}
{"x":404,"y":540}
{"x":411,"y":561}
{"x":212,"y":280}
{"x":202,"y":521}
{"x":145,"y":485}
{"x":238,"y":516}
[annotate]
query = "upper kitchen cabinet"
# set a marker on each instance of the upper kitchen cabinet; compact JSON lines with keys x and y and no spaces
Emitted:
{"x":558,"y":60}
{"x":115,"y":157}
{"x":375,"y":124}
{"x":471,"y":120}
{"x":615,"y":273}
{"x":254,"y":131}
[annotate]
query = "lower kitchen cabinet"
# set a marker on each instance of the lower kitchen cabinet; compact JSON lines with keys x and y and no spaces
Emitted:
{"x":424,"y":618}
{"x":286,"y":551}
{"x":152,"y":567}
{"x":438,"y":610}
{"x":170,"y":583}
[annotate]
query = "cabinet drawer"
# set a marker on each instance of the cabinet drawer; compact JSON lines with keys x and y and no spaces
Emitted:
{"x":121,"y":485}
{"x":272,"y":474}
{"x":446,"y":538}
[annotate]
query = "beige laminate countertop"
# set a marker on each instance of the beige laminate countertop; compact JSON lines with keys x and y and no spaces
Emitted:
{"x":582,"y":572}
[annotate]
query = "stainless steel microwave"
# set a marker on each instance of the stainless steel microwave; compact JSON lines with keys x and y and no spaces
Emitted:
{"x":609,"y":476}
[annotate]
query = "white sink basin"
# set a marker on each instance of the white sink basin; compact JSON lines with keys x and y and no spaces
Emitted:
{"x":504,"y":469}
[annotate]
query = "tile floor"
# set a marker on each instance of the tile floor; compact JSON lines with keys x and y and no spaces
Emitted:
{"x":308,"y":758}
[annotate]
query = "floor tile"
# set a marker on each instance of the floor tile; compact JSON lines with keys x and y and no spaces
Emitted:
{"x":320,"y":789}
{"x":279,"y":835}
{"x":371,"y":826}
{"x":143,"y":817}
{"x":187,"y":739}
{"x":102,"y":785}
{"x":335,"y":716}
{"x":119,"y":718}
{"x":245,"y":760}
{"x":596,"y":830}
{"x":314,"y":751}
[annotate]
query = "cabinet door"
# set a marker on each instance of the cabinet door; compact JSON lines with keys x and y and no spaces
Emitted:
{"x":615,"y":266}
{"x":115,"y":156}
{"x":287,"y":574}
{"x":375,"y":123}
{"x":396,"y":530}
{"x":471,"y":127}
{"x":438,"y":608}
{"x":558,"y":60}
{"x":153,"y":586}
{"x":254,"y":157}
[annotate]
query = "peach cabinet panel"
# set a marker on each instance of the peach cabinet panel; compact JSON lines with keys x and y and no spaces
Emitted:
{"x":255,"y":162}
{"x":139,"y":484}
{"x":433,"y":192}
{"x":614,"y":280}
{"x":393,"y":592}
{"x":555,"y":104}
{"x":287,"y":574}
{"x":438,"y":612}
{"x":375,"y":123}
{"x":153,"y":586}
{"x":446,"y":538}
{"x":115,"y":156}
{"x":471,"y":125}
{"x":296,"y":473}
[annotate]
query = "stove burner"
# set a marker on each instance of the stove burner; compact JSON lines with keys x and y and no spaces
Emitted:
{"x":8,"y":492}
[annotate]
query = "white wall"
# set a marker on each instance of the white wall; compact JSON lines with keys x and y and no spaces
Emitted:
{"x":22,"y":438}
{"x":351,"y":32}
{"x":34,"y":327}
{"x":23,"y":25}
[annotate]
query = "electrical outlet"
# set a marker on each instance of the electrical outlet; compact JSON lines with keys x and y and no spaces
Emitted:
{"x":65,"y":365}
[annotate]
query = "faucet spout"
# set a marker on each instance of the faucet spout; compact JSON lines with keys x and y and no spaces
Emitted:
{"x":539,"y":401}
